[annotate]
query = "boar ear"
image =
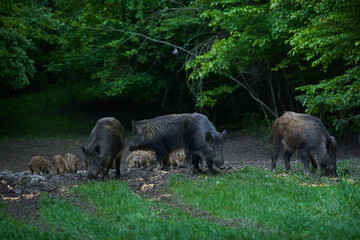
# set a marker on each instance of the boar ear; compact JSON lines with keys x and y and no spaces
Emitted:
{"x":139,"y":129}
{"x":209,"y":137}
{"x":83,"y":149}
{"x":330,"y":143}
{"x":223,"y":134}
{"x":133,"y":124}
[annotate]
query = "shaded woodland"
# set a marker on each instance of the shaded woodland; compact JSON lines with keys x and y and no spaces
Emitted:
{"x":229,"y":59}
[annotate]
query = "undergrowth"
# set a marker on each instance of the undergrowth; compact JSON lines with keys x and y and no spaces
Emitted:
{"x":43,"y":114}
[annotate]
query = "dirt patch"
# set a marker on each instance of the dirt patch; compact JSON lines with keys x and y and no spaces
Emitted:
{"x":20,"y":191}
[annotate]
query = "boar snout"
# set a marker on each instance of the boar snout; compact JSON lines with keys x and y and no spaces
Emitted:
{"x":220,"y":165}
{"x":92,"y":173}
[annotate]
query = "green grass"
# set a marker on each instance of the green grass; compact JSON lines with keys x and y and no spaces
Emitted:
{"x":289,"y":206}
{"x":258,"y":203}
{"x":43,"y":114}
{"x":119,"y":213}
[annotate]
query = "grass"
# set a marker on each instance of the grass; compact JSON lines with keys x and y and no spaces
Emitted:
{"x":289,"y":206}
{"x":118,"y":212}
{"x":43,"y":114}
{"x":259,"y":203}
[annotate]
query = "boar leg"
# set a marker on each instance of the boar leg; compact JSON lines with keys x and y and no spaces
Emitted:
{"x":105,"y":172}
{"x":274,"y":155}
{"x":187,"y":158}
{"x":117,"y":165}
{"x":287,"y":156}
{"x":313,"y":163}
{"x":196,"y":162}
{"x":160,"y":157}
{"x":305,"y":157}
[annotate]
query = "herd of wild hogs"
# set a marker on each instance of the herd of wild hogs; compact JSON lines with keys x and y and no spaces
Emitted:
{"x":186,"y":140}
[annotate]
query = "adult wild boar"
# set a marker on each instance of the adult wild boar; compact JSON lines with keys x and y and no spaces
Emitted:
{"x":106,"y":146}
{"x":295,"y":131}
{"x":193,"y":132}
{"x":202,"y":141}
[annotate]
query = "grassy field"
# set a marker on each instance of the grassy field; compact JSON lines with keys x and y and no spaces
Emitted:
{"x":250,"y":203}
{"x":44,"y":114}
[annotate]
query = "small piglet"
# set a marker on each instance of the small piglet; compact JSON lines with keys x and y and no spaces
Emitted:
{"x":72,"y":162}
{"x":58,"y":165}
{"x":37,"y":164}
{"x":177,"y":158}
{"x":140,"y":158}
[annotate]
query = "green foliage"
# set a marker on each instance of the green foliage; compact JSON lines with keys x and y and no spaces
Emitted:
{"x":109,"y":43}
{"x":143,"y":50}
{"x":244,"y":46}
{"x":210,"y":97}
{"x":326,"y":35}
{"x":339,"y":95}
{"x":287,"y":206}
{"x":247,"y":37}
{"x":258,"y":34}
{"x":22,"y":23}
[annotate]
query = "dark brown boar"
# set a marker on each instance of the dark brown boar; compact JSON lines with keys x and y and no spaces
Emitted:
{"x":106,"y":146}
{"x":193,"y":132}
{"x":58,"y":165}
{"x":37,"y":164}
{"x":72,"y":162}
{"x":306,"y":134}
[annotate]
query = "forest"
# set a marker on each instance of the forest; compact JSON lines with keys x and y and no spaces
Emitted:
{"x":225,"y":58}
{"x":65,"y":64}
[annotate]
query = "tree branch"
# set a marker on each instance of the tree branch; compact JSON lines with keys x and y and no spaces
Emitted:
{"x":252,"y":95}
{"x":148,"y":38}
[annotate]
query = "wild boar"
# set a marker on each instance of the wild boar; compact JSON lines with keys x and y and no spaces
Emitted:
{"x":140,"y":158}
{"x":203,"y":142}
{"x":177,"y":158}
{"x":58,"y":165}
{"x":106,"y":146}
{"x":72,"y":162}
{"x":295,"y":131}
{"x":37,"y":164}
{"x":193,"y":132}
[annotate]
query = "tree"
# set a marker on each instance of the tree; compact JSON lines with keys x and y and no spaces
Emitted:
{"x":244,"y":52}
{"x":327,"y":35}
{"x":118,"y":45}
{"x":22,"y":24}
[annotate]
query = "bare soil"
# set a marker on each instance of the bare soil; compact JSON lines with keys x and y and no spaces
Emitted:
{"x":20,"y":191}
